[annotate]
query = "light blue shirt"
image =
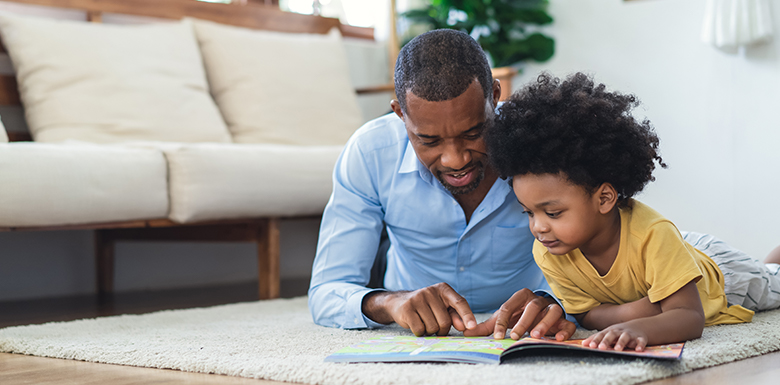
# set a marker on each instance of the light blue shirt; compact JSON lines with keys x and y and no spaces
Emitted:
{"x":379,"y":181}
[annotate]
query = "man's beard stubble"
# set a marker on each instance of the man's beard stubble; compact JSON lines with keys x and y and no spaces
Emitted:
{"x":479,"y":169}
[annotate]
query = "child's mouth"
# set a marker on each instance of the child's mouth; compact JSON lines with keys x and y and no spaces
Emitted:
{"x":549,"y":244}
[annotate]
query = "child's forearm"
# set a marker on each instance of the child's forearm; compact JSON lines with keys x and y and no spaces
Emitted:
{"x":671,"y":326}
{"x":606,"y":315}
{"x":681,"y":318}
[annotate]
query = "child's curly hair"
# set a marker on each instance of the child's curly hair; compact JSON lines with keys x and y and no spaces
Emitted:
{"x":578,"y":128}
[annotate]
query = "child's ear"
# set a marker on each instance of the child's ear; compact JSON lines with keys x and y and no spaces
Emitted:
{"x":607,"y":196}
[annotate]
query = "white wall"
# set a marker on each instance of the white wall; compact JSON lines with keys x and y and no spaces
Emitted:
{"x":717,"y":113}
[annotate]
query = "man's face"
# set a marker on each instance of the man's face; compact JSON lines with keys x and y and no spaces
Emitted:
{"x":447,"y":136}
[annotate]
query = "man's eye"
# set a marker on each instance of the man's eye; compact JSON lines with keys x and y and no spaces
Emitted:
{"x":429,"y":143}
{"x":473,"y":136}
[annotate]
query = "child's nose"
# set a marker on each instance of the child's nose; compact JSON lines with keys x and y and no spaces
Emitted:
{"x":540,"y":226}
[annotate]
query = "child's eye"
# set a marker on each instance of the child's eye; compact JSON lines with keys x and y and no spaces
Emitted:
{"x":554,"y":215}
{"x":530,"y":214}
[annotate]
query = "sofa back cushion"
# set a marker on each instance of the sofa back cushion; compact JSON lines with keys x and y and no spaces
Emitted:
{"x":280,"y":88}
{"x":111,"y":83}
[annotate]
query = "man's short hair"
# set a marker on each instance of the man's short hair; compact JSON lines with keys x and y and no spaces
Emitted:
{"x":440,"y":65}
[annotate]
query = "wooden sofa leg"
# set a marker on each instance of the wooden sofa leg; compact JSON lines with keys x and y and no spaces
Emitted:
{"x":267,"y":239}
{"x":104,"y":264}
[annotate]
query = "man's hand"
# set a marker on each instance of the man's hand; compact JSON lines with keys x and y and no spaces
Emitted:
{"x":427,"y":311}
{"x":523,"y":311}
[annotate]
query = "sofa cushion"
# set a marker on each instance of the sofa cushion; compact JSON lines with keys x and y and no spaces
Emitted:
{"x":46,"y":184}
{"x":282,"y":88}
{"x":217,"y":181}
{"x":111,"y":83}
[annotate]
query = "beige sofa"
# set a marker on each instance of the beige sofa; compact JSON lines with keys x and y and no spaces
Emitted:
{"x":179,"y":130}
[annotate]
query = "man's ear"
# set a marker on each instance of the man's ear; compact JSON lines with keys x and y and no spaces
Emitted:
{"x":496,"y":92}
{"x":396,"y":106}
{"x":607,"y":197}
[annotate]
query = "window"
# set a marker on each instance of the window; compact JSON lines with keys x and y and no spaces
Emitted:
{"x":359,"y":13}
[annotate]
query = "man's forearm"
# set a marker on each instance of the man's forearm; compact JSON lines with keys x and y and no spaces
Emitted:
{"x":606,"y":315}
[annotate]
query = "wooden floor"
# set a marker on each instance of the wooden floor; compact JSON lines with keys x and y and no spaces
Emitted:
{"x":19,"y":369}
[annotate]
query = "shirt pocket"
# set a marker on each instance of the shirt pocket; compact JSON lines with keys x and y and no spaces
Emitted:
{"x":511,"y":247}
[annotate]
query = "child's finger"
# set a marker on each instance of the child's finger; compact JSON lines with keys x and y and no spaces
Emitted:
{"x":624,"y":340}
{"x":641,"y":344}
{"x":586,"y":342}
{"x":608,"y":341}
{"x":595,"y":339}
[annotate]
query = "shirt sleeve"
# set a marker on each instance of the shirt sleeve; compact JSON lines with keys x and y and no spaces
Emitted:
{"x":669,"y":261}
{"x":573,"y":299}
{"x":348,"y":242}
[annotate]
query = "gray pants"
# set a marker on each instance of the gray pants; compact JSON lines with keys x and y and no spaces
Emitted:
{"x":748,"y":282}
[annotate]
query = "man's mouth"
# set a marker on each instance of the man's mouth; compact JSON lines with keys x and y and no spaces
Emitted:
{"x":460,"y":179}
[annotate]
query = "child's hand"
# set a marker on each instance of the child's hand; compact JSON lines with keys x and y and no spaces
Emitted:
{"x":620,"y":336}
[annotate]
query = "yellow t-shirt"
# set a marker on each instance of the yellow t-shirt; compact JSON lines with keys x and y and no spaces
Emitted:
{"x":653,"y":261}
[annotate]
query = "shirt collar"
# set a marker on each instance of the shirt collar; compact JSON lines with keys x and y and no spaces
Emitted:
{"x":411,"y":163}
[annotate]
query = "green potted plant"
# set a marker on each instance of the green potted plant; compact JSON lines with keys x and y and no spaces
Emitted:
{"x":506,"y":29}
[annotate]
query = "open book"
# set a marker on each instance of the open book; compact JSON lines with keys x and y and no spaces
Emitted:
{"x":478,"y":350}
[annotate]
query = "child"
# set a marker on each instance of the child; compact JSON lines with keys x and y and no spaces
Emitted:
{"x":576,"y":157}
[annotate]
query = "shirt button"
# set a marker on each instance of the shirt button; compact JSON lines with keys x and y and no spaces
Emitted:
{"x":462,"y":268}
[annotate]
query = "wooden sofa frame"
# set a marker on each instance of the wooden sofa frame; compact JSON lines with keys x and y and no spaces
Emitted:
{"x":257,"y":14}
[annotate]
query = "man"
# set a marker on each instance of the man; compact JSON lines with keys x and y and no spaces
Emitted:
{"x":459,"y":240}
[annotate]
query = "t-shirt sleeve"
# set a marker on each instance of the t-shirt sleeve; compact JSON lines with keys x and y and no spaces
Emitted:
{"x":573,"y":299}
{"x":669,"y":261}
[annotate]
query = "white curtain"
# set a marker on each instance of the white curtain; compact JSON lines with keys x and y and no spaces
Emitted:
{"x":733,"y":23}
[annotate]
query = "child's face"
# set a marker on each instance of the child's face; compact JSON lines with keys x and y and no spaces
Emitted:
{"x":561,"y":215}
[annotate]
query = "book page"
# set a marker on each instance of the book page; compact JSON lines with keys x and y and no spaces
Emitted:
{"x":436,"y":349}
{"x":670,"y":351}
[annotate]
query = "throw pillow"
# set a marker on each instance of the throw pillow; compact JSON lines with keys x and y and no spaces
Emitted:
{"x":111,"y":83}
{"x":280,"y":88}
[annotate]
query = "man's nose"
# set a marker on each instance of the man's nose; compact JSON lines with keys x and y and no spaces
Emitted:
{"x":455,"y":156}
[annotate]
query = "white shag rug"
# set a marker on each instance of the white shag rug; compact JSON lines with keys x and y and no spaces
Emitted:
{"x":277,"y":340}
